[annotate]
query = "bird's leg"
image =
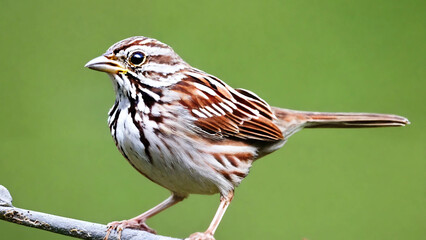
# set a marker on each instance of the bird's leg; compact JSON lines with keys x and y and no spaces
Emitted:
{"x":208,"y":234}
{"x":138,"y":222}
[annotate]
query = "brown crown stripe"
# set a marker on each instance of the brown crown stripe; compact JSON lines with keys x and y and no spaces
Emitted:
{"x":125,"y":44}
{"x":136,"y":41}
{"x":152,"y":44}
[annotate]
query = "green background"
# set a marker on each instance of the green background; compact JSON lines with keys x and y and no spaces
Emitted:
{"x":57,"y":156}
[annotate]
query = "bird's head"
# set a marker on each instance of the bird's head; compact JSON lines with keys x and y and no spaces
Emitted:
{"x":140,"y":62}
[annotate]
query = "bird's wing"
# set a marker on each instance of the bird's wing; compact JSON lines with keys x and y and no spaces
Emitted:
{"x":224,"y":111}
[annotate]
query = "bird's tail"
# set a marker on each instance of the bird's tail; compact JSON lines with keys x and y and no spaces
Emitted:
{"x":290,"y":121}
{"x":353,"y":120}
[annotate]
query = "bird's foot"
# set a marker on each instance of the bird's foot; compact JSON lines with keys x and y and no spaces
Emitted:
{"x":119,"y":226}
{"x":200,"y":236}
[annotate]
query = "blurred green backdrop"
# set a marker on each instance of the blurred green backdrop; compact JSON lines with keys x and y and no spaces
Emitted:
{"x":57,"y":156}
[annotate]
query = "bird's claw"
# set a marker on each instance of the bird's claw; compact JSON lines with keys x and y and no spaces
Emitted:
{"x":119,"y":226}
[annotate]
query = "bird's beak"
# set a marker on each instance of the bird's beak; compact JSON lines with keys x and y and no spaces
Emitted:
{"x":105,"y":64}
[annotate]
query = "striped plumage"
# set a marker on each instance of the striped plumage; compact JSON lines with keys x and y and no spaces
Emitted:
{"x":190,"y":132}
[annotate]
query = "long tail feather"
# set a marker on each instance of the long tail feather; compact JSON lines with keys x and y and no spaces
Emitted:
{"x":291,"y":121}
{"x":353,"y":120}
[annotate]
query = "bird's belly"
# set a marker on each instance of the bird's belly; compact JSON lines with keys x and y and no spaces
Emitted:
{"x":168,"y":171}
{"x":167,"y":162}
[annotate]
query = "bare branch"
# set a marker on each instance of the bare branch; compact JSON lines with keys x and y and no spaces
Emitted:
{"x":62,"y":225}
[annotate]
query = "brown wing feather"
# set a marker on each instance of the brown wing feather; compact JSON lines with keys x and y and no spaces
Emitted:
{"x":225,"y":111}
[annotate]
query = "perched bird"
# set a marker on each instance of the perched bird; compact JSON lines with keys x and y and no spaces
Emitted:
{"x":190,"y":132}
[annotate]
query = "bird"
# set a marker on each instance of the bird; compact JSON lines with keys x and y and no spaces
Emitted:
{"x":190,"y":132}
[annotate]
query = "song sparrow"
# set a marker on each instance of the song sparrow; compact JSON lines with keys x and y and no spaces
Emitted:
{"x":190,"y":132}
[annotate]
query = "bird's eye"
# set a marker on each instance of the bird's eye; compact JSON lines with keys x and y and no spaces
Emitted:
{"x":137,"y":58}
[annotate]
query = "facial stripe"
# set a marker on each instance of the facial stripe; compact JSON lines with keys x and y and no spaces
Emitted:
{"x":163,"y":68}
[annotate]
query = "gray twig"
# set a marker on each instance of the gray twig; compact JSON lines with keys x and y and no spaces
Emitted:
{"x":62,"y":225}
